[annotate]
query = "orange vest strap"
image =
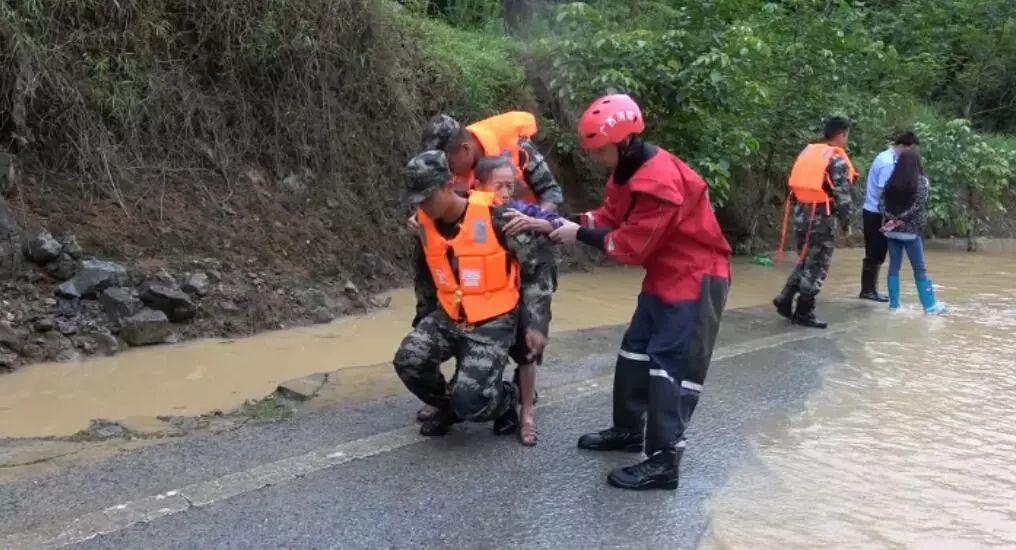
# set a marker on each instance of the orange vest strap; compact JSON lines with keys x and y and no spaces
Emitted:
{"x":783,"y":234}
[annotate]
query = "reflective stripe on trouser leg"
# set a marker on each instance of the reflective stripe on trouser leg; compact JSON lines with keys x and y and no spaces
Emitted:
{"x":681,"y":355}
{"x":631,"y":374}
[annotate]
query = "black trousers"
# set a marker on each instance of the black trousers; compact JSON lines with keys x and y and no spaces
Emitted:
{"x":663,"y":362}
{"x":875,"y":244}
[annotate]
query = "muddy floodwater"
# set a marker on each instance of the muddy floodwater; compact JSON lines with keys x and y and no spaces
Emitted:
{"x":909,"y":442}
{"x":59,"y":399}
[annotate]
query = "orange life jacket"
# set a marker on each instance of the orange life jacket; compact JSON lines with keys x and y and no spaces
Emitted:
{"x":485,"y":282}
{"x":500,"y":134}
{"x":808,"y":184}
{"x":809,"y":176}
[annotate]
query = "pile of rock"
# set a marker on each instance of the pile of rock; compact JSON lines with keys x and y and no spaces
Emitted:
{"x":95,"y":308}
{"x":70,"y":305}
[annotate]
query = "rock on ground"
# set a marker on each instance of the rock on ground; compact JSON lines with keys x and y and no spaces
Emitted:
{"x":12,"y":337}
{"x":94,"y":277}
{"x":197,"y":283}
{"x":176,"y":304}
{"x":146,"y":327}
{"x":71,"y":246}
{"x":43,"y":248}
{"x":302,"y":389}
{"x":119,"y":303}
{"x":63,"y":267}
{"x":106,"y":429}
{"x":149,"y":427}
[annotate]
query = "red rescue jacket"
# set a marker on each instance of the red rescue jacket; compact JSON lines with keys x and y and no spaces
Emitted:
{"x":661,"y":219}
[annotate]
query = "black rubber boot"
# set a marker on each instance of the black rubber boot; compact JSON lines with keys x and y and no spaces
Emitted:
{"x":440,"y":424}
{"x":612,"y":439}
{"x":805,"y":314}
{"x":659,"y":471}
{"x":869,"y":284}
{"x":784,"y":302}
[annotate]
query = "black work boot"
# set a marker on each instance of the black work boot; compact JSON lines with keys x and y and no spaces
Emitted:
{"x":805,"y":314}
{"x":612,"y":439}
{"x":507,"y":423}
{"x":440,"y":424}
{"x":869,"y":284}
{"x":659,"y":471}
{"x":784,"y":302}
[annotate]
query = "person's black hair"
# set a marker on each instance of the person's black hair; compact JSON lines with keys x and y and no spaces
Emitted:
{"x":907,"y":139}
{"x":457,"y":140}
{"x":901,"y":189}
{"x":835,"y":126}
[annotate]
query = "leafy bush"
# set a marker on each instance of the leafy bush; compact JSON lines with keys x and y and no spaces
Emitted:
{"x":484,"y":69}
{"x":738,"y":87}
{"x":969,"y":175}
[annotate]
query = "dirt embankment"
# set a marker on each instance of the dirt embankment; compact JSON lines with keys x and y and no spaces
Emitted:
{"x":252,"y":148}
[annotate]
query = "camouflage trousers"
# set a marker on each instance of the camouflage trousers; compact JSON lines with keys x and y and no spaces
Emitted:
{"x":477,"y":393}
{"x":816,"y":240}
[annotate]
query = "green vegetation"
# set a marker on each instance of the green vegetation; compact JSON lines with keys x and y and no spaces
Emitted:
{"x":175,"y":112}
{"x":484,"y":68}
{"x":268,"y":409}
{"x":737,"y":87}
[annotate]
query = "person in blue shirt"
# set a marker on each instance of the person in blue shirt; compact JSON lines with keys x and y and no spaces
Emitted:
{"x":875,"y":244}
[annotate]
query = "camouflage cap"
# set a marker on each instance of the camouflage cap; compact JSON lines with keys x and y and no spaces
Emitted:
{"x":426,"y":172}
{"x":439,"y":131}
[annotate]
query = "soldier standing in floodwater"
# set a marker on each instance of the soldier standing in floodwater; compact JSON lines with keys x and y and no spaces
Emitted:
{"x":820,"y":186}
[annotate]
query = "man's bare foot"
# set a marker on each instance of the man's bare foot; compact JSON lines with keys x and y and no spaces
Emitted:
{"x":427,"y":412}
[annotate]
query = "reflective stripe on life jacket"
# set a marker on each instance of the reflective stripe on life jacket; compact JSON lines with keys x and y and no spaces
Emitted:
{"x":479,"y":280}
{"x":502,"y":133}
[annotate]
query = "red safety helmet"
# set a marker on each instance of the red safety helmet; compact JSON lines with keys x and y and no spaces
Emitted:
{"x":610,"y":119}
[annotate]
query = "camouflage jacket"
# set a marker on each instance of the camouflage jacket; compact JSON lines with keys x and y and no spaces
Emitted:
{"x":842,"y":192}
{"x":535,"y":255}
{"x":538,"y":175}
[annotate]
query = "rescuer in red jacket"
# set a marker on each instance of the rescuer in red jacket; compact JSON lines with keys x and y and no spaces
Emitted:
{"x":657,"y":215}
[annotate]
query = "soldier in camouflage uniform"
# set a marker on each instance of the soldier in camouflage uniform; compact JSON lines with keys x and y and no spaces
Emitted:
{"x":445,"y":133}
{"x":815,"y":233}
{"x":478,"y":392}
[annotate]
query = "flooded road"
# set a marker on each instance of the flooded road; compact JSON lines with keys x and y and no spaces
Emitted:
{"x":888,"y":431}
{"x":193,"y":378}
{"x":908,"y":444}
{"x":197,"y":377}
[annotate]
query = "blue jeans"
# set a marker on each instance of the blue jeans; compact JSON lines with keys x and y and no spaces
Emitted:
{"x":915,"y":251}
